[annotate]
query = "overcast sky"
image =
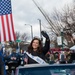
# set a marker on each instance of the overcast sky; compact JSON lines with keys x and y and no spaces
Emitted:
{"x":26,"y":12}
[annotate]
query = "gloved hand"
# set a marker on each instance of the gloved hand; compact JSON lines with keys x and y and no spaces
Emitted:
{"x":45,"y":34}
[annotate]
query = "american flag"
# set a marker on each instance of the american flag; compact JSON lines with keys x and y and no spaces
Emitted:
{"x":6,"y":21}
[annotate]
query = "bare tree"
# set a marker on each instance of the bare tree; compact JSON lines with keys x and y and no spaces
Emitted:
{"x":60,"y":20}
{"x":24,"y":37}
{"x":67,"y":19}
{"x":17,"y":35}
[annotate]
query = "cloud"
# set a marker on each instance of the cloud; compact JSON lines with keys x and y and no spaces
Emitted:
{"x":25,"y":11}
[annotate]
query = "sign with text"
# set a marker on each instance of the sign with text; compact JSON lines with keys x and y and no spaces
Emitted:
{"x":59,"y":40}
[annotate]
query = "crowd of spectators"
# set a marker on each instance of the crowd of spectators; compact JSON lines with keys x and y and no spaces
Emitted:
{"x":10,"y":52}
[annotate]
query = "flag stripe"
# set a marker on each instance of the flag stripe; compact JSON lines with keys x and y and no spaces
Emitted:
{"x":0,"y":28}
{"x":1,"y":31}
{"x":3,"y":28}
{"x":8,"y":29}
{"x":14,"y":36}
{"x":4,"y":18}
{"x":11,"y":33}
{"x":0,"y":36}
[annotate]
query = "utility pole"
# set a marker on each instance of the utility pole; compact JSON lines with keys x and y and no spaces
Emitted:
{"x":62,"y":38}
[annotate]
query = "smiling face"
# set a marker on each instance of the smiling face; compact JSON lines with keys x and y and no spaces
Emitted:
{"x":35,"y":45}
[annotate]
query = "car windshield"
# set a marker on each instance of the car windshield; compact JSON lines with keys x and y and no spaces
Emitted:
{"x":47,"y":70}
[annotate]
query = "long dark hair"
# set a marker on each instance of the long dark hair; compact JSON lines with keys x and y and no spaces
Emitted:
{"x":30,"y":48}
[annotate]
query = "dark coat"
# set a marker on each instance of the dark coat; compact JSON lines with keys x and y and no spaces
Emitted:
{"x":45,"y":49}
{"x":2,"y":65}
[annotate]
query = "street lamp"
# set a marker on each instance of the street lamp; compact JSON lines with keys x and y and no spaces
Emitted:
{"x":31,"y":30}
{"x":40,"y":28}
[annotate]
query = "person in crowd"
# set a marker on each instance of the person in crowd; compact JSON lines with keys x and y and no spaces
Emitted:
{"x":71,"y":57}
{"x":21,"y":56}
{"x":14,"y":61}
{"x":47,"y":57}
{"x":51,"y":61}
{"x":56,"y":57}
{"x":62,"y":58}
{"x":1,"y":48}
{"x":14,"y":56}
{"x":36,"y":49}
{"x":2,"y":65}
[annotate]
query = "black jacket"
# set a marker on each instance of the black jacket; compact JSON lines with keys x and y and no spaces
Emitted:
{"x":2,"y":65}
{"x":41,"y":55}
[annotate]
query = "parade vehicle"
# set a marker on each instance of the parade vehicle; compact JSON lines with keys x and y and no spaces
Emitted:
{"x":46,"y":69}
